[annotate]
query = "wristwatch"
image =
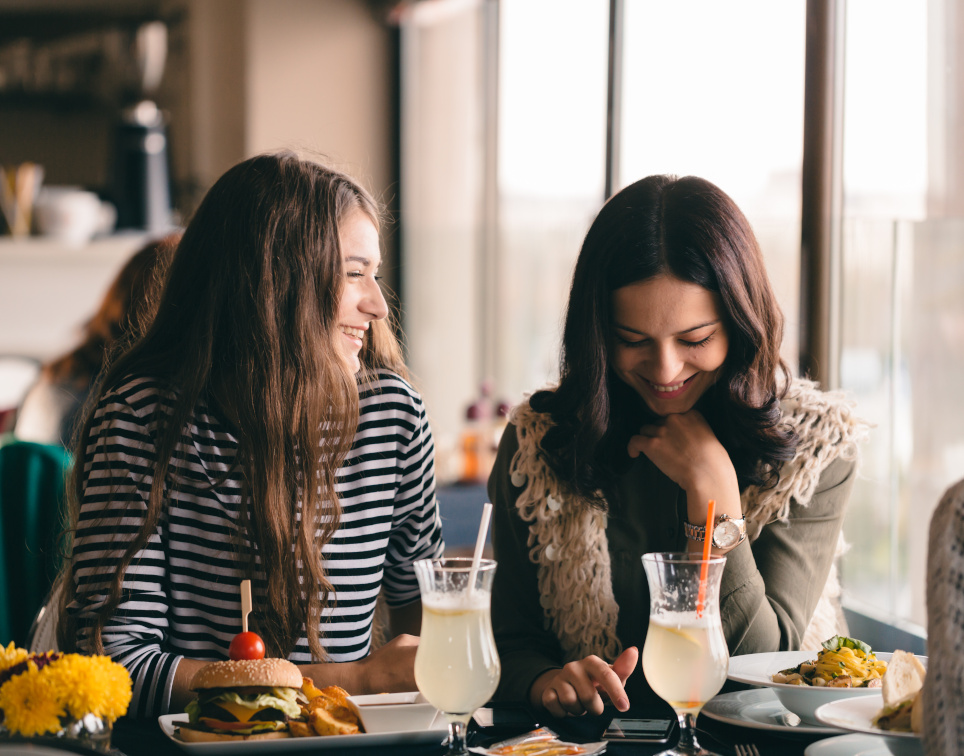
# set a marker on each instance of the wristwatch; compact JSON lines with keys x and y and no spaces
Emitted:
{"x":728,"y":531}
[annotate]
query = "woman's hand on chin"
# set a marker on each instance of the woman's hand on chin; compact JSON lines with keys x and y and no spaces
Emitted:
{"x":687,"y":452}
{"x":578,"y":687}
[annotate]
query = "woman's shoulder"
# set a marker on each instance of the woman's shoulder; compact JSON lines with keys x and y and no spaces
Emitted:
{"x":529,"y":420}
{"x":822,"y":417}
{"x":383,"y":387}
{"x":143,"y":395}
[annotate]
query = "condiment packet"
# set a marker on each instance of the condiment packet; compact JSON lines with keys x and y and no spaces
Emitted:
{"x":541,"y":742}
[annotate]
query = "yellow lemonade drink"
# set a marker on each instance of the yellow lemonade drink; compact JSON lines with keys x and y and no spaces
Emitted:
{"x":685,"y":659}
{"x":457,"y":667}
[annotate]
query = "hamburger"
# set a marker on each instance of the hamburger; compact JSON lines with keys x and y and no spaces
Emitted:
{"x":244,"y":699}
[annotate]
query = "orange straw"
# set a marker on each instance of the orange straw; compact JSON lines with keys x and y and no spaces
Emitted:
{"x":704,"y":568}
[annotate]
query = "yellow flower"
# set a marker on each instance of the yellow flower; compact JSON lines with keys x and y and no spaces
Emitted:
{"x":11,"y":656}
{"x":92,"y":685}
{"x":30,"y":703}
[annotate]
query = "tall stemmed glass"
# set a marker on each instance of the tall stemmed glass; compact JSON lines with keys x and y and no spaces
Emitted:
{"x":456,"y":667}
{"x":685,"y":659}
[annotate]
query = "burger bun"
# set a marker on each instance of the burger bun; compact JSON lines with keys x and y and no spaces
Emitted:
{"x":243,"y":673}
{"x":191,"y":735}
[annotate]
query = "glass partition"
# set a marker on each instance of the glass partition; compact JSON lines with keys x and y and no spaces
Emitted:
{"x":902,"y":288}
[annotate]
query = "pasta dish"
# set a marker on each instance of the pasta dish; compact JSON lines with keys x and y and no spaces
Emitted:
{"x":842,"y":663}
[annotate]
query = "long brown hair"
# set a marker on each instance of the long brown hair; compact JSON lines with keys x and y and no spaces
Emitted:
{"x":247,"y":322}
{"x":690,"y":229}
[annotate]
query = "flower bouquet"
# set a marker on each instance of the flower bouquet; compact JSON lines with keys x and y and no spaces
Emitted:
{"x":55,"y":695}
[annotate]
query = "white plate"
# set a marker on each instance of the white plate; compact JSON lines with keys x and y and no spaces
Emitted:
{"x":760,"y":709}
{"x":855,"y":714}
{"x":385,"y":725}
{"x":803,"y":700}
{"x":848,"y":745}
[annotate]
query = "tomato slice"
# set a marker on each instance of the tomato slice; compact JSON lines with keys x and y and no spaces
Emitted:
{"x":246,"y":645}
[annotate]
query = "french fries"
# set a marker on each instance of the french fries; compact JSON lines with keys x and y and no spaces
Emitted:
{"x":324,"y":722}
{"x":327,"y":712}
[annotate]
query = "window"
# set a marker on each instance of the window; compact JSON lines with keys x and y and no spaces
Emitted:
{"x":698,"y":101}
{"x":902,"y":284}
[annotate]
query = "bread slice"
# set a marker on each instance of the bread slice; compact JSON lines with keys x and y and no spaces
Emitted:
{"x":903,"y":680}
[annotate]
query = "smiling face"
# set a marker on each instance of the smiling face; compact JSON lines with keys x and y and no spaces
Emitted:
{"x":668,"y":341}
{"x":362,"y":300}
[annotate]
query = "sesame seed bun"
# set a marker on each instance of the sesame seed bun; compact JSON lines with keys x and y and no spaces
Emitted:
{"x":269,"y":673}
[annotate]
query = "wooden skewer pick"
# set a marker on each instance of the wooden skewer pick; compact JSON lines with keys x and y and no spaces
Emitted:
{"x":245,"y":604}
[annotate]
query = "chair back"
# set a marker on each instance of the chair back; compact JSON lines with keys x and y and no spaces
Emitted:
{"x":32,"y":516}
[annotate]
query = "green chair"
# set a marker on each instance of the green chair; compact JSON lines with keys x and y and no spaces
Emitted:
{"x":32,"y":484}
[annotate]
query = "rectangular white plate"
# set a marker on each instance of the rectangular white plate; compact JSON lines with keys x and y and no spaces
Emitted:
{"x":377,"y":734}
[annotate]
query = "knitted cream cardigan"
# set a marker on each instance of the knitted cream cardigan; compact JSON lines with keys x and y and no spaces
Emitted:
{"x":567,"y":538}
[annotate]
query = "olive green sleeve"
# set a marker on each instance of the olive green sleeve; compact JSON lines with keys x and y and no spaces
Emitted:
{"x":770,"y":588}
{"x":526,"y":648}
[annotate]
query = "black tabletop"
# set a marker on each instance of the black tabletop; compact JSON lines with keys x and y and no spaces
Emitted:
{"x":133,"y":738}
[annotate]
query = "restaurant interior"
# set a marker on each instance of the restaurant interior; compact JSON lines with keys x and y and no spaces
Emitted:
{"x":492,"y":131}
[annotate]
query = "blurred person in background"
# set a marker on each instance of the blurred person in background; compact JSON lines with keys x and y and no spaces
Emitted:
{"x":51,"y":408}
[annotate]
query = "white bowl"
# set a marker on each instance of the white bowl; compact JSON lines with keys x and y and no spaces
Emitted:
{"x":856,"y":714}
{"x":802,"y":700}
{"x":380,"y":713}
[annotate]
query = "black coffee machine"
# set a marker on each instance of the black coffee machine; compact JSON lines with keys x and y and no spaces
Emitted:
{"x":141,"y":184}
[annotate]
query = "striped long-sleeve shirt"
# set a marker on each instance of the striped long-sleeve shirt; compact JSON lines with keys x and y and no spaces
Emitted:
{"x":181,"y":592}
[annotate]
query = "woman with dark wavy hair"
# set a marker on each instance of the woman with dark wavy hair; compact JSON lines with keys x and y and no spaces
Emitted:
{"x":269,"y":364}
{"x":672,"y":392}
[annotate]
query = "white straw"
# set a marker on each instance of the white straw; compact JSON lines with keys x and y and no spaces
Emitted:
{"x":480,"y":544}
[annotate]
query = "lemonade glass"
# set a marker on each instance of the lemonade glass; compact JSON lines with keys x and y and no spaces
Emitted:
{"x":685,"y":658}
{"x":456,"y":666}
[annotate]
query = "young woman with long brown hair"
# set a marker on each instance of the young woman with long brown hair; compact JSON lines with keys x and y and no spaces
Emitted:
{"x":671,"y":393}
{"x":262,"y":428}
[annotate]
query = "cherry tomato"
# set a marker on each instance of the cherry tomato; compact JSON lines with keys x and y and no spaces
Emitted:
{"x":246,"y":646}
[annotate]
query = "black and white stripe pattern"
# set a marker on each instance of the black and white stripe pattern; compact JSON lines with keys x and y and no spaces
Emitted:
{"x":181,"y":593}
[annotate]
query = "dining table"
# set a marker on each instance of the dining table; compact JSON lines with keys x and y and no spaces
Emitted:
{"x":145,"y":737}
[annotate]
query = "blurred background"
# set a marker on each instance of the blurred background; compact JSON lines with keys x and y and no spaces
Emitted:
{"x":492,"y":131}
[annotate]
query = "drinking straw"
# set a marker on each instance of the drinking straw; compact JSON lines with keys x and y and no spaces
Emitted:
{"x":704,"y":567}
{"x":480,"y":544}
{"x":245,"y":604}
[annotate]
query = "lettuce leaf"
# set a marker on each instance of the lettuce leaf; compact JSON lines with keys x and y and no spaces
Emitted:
{"x":284,"y":699}
{"x":842,"y":641}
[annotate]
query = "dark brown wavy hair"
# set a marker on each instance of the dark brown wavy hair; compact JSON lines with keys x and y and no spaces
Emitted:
{"x":247,"y":322}
{"x":690,"y":229}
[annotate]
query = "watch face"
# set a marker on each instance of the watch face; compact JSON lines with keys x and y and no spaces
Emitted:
{"x":726,"y":534}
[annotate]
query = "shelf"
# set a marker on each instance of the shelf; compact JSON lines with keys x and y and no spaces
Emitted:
{"x":48,"y":289}
{"x":34,"y":249}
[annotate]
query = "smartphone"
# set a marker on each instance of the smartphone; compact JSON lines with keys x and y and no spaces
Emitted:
{"x":640,"y":730}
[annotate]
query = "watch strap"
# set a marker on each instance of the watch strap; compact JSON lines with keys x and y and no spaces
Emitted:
{"x":694,"y":532}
